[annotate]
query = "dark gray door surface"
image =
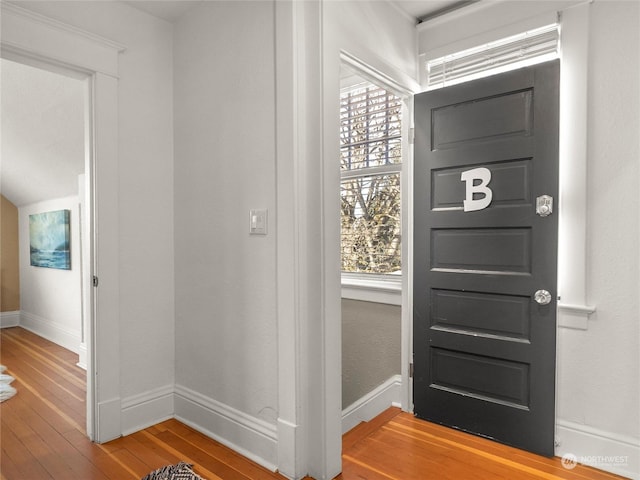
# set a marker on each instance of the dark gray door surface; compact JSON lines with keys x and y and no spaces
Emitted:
{"x":484,"y":259}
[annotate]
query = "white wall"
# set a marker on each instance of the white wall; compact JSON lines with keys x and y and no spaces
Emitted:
{"x":599,"y":382}
{"x":145,"y":196}
{"x":370,"y":347}
{"x":50,"y":299}
{"x":613,"y":237}
{"x":226,"y":330}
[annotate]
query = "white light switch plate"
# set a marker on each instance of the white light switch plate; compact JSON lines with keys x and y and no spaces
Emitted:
{"x":258,"y":222}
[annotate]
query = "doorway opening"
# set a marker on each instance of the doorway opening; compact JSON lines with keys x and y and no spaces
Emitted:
{"x":485,"y":250}
{"x":46,"y":171}
{"x":374,"y":152}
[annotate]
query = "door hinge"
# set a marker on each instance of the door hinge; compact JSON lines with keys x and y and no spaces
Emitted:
{"x":95,"y":281}
{"x":411,"y":370}
{"x":412,"y":135}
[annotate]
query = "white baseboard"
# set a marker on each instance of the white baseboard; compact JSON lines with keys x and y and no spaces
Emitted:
{"x":373,"y":404}
{"x":290,"y":461}
{"x":250,"y":436}
{"x":9,"y":319}
{"x":147,"y":409}
{"x":62,"y":335}
{"x":108,"y":421}
{"x":82,"y":356}
{"x":600,"y":449}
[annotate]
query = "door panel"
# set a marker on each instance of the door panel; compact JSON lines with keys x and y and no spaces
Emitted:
{"x":481,"y":120}
{"x":480,"y":376}
{"x":484,"y":349}
{"x":475,"y":250}
{"x":511,"y":183}
{"x":493,"y":315}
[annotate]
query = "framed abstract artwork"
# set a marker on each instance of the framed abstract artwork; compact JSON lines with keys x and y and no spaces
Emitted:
{"x":49,"y":239}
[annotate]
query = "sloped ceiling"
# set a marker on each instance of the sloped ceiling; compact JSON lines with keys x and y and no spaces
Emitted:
{"x":42,"y":128}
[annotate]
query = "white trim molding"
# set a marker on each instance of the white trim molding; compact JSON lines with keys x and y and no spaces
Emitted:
{"x":30,"y":38}
{"x":250,"y":436}
{"x":82,"y":355}
{"x":572,"y":238}
{"x":58,"y":42}
{"x":373,"y":403}
{"x":404,"y":88}
{"x":375,"y":289}
{"x":10,"y":319}
{"x":62,"y":335}
{"x":289,"y":249}
{"x":598,"y":448}
{"x":147,"y":409}
{"x":308,"y":298}
{"x":485,"y":22}
{"x":109,"y":429}
{"x":574,"y":316}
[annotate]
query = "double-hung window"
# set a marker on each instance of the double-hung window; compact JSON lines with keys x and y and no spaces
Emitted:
{"x":370,"y":165}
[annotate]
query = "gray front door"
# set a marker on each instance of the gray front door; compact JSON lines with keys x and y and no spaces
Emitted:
{"x":484,"y":259}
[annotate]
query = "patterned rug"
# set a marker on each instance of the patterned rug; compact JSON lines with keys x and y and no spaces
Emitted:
{"x":180,"y":471}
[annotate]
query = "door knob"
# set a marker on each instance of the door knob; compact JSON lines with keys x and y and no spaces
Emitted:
{"x":543,"y":297}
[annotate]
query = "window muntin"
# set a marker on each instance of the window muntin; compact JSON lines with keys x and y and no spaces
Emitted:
{"x":370,"y":163}
{"x":370,"y":128}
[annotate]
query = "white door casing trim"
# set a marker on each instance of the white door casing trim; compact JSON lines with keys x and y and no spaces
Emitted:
{"x":37,"y":40}
{"x":290,"y":421}
{"x":36,"y":36}
{"x":401,"y":292}
{"x":308,"y":298}
{"x":573,"y":310}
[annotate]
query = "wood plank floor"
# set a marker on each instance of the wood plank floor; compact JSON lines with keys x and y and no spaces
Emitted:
{"x":396,"y":445}
{"x":42,"y":437}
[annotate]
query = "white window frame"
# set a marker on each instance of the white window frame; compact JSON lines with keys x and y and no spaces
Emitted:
{"x":380,"y":288}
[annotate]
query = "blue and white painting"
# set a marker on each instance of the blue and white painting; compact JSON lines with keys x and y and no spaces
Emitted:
{"x":49,"y":239}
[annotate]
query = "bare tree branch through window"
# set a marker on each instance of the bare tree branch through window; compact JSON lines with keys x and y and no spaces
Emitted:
{"x":370,"y":148}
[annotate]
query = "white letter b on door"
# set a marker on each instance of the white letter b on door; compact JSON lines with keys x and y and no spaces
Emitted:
{"x":483,"y":175}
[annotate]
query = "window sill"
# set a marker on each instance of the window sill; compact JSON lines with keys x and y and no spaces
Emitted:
{"x":375,"y":289}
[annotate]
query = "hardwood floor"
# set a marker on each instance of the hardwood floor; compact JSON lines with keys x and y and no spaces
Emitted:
{"x":42,"y":437}
{"x":396,"y":445}
{"x":42,"y":432}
